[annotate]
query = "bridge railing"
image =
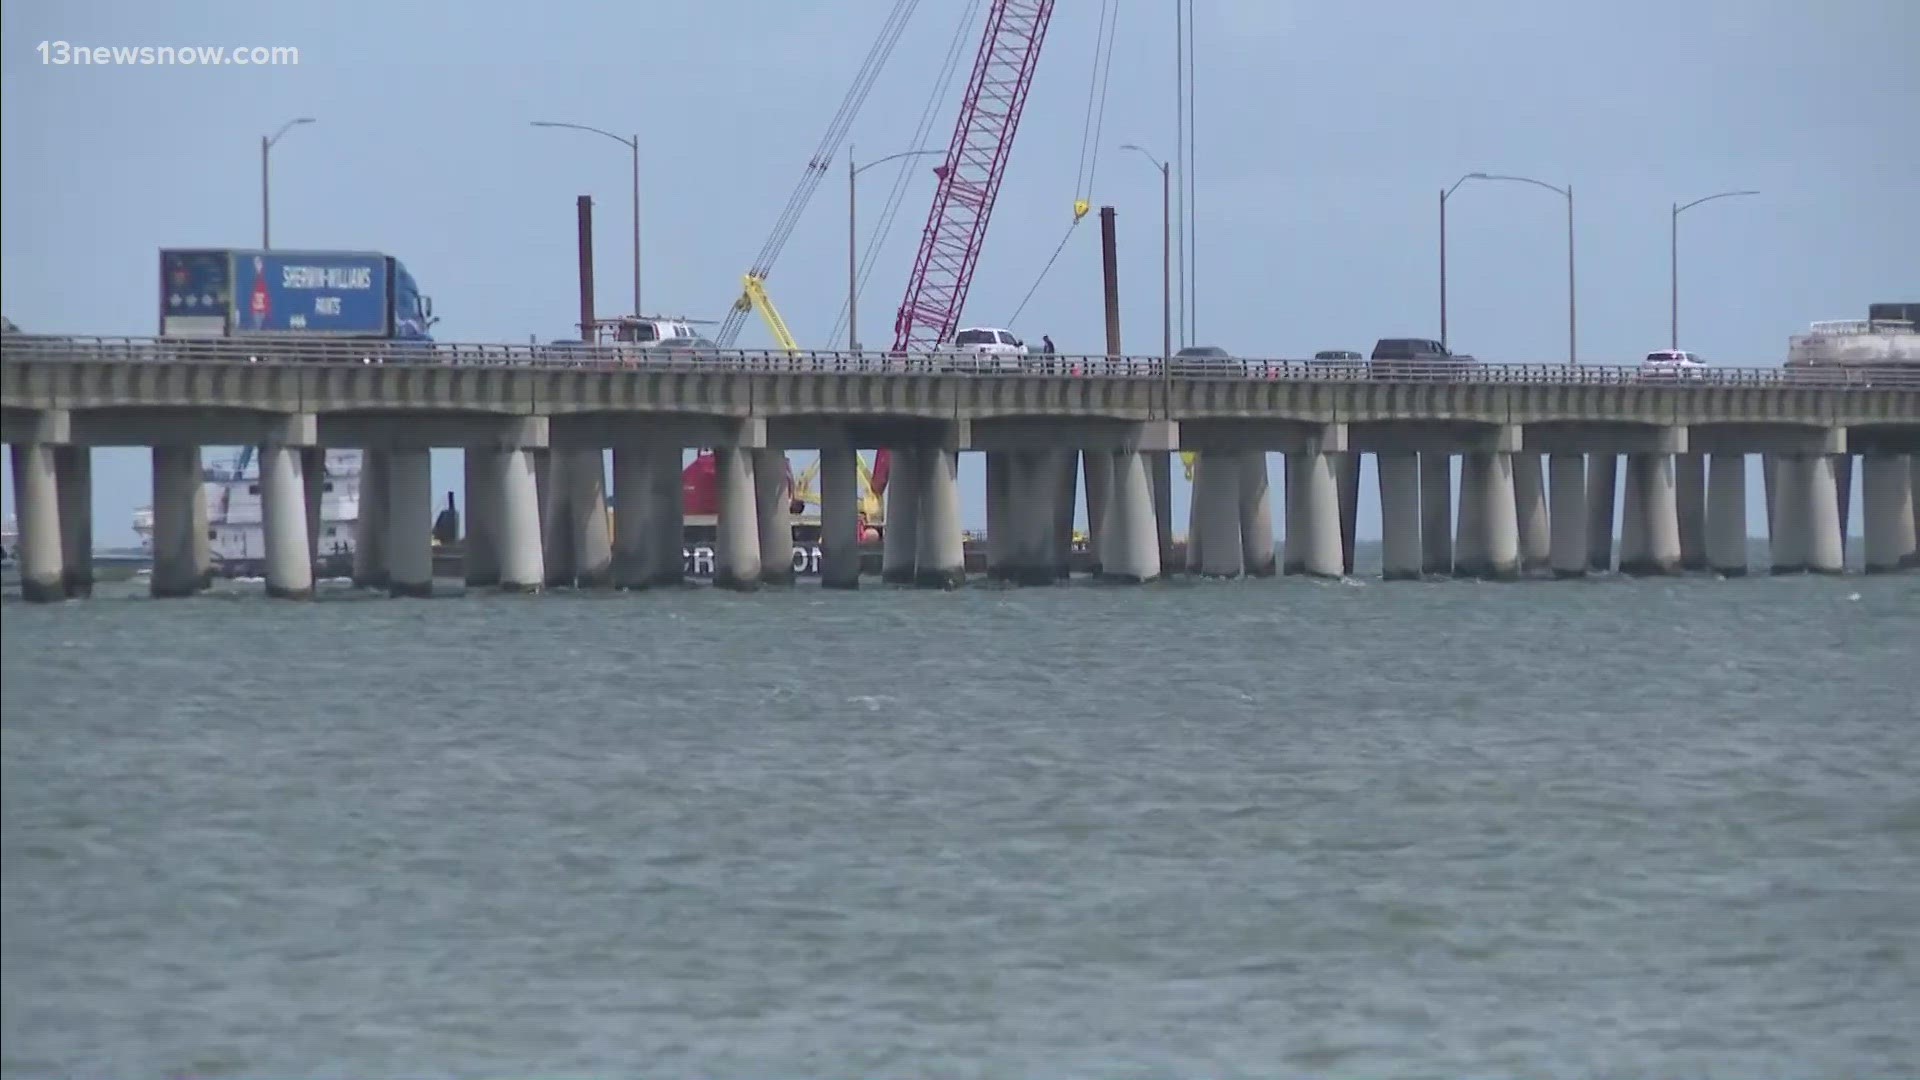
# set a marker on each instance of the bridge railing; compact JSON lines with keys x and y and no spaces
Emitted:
{"x":1184,"y":369}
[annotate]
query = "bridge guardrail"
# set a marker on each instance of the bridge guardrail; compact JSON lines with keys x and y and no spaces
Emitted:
{"x":618,"y":357}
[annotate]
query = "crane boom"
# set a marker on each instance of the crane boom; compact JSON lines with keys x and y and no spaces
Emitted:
{"x":970,"y":178}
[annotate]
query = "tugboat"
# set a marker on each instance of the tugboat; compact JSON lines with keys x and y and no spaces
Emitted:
{"x":236,"y":533}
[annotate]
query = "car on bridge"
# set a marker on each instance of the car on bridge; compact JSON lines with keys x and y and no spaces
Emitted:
{"x":1673,"y":364}
{"x":989,"y":348}
{"x":1338,"y":364}
{"x":1420,"y":359}
{"x":1208,"y":360}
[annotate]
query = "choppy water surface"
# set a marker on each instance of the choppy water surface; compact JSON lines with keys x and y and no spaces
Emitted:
{"x":1255,"y":829}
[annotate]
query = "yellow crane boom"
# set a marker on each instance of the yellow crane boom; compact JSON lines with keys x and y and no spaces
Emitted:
{"x":869,"y":501}
{"x":753,"y":295}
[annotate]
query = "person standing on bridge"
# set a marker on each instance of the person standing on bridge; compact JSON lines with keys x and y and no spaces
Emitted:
{"x":1046,"y":345}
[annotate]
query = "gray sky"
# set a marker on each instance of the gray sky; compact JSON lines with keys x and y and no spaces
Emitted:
{"x":1324,"y":133}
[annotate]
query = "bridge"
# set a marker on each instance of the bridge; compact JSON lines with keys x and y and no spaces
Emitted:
{"x":535,"y":420}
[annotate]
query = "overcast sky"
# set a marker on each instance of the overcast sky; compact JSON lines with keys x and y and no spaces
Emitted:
{"x":1324,"y":133}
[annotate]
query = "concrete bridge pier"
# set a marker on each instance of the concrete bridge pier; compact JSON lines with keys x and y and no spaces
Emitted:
{"x":556,"y":520}
{"x":1293,"y":559}
{"x":588,"y":524}
{"x":648,"y":533}
{"x":1650,"y":525}
{"x":1531,"y":512}
{"x":1470,"y":536}
{"x":900,"y":542}
{"x":1131,"y":527}
{"x":1320,"y":533}
{"x":1436,"y":512}
{"x":370,"y":569}
{"x":940,"y":559}
{"x":1568,"y":516}
{"x":1913,"y":485}
{"x":1194,"y":505}
{"x":36,"y":500}
{"x":1769,"y":477}
{"x":1603,"y":476}
{"x":1826,"y":551}
{"x":1066,"y":478}
{"x":839,"y":518}
{"x":1032,"y":486}
{"x":773,"y":503}
{"x":1001,"y":543}
{"x":1399,"y":514}
{"x":1690,"y":500}
{"x":75,"y":466}
{"x":1256,"y":515}
{"x":523,"y":566}
{"x":1097,"y":467}
{"x":481,"y":552}
{"x":176,"y":476}
{"x":1346,"y":474}
{"x":1843,"y":494}
{"x":284,"y":513}
{"x":1499,"y":521}
{"x":737,"y":554}
{"x":1726,"y":515}
{"x":202,"y":529}
{"x":313,"y":481}
{"x":410,"y":522}
{"x":1787,"y":534}
{"x":1886,"y":488}
{"x":1160,"y":474}
{"x":1217,"y":504}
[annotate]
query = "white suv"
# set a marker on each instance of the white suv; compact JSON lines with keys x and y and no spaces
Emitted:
{"x":1672,"y":364}
{"x":1006,"y":349}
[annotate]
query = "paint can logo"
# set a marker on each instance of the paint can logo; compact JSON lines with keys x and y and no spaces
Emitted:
{"x":258,"y":304}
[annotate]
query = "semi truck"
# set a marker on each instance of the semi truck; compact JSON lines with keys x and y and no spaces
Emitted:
{"x":247,"y":293}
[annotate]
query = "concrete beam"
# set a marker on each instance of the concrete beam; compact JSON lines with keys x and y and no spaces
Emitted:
{"x":426,"y":432}
{"x":1584,"y":437}
{"x":1235,"y":434}
{"x":1080,"y":433}
{"x":1766,"y":439}
{"x":292,"y":429}
{"x":36,"y":427}
{"x":1432,"y":436}
{"x":866,"y":433}
{"x":1883,"y":438}
{"x":594,"y":431}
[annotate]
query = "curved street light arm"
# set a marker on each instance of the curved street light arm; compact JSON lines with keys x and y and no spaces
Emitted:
{"x":288,"y":126}
{"x":894,"y":157}
{"x":1562,"y":192}
{"x":631,"y":144}
{"x":1157,"y":163}
{"x":1710,"y":198}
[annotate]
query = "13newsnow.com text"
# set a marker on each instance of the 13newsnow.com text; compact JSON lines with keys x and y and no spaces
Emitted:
{"x":67,"y":54}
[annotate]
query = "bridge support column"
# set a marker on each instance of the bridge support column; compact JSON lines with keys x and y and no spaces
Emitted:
{"x":1001,"y":543}
{"x":556,"y":520}
{"x":284,"y":512}
{"x":1650,"y":533}
{"x":480,"y":555}
{"x":1470,"y":535}
{"x":1843,"y":495}
{"x":410,"y":522}
{"x":1399,"y":515}
{"x":1603,"y":477}
{"x":1320,"y":539}
{"x":36,"y":500}
{"x":313,"y":483}
{"x":1499,"y":521}
{"x":1160,"y":473}
{"x":839,"y":518}
{"x":587,"y":507}
{"x":370,"y":569}
{"x":1256,"y":515}
{"x":1195,"y":502}
{"x":940,"y":558}
{"x":737,"y":554}
{"x":1826,"y":553}
{"x":1222,"y":551}
{"x":1097,"y":468}
{"x":1568,"y":516}
{"x":75,"y":465}
{"x":1293,"y":557}
{"x":666,"y":524}
{"x":1132,"y":554}
{"x":1886,"y":482}
{"x":523,"y":565}
{"x":1436,"y":512}
{"x":900,"y":543}
{"x":202,"y":528}
{"x":773,"y":502}
{"x":1033,"y":482}
{"x":1067,"y":480}
{"x":1787,"y":528}
{"x":1531,"y":512}
{"x":1727,"y":515}
{"x":1690,"y":499}
{"x":1346,"y":472}
{"x":1913,"y":485}
{"x":176,"y":477}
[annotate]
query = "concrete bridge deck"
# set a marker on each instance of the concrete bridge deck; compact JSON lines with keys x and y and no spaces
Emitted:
{"x":536,"y":420}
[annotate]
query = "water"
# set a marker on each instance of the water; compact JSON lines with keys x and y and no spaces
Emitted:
{"x":1631,"y":829}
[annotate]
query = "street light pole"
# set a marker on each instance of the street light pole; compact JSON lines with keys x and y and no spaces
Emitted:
{"x":1166,"y":248}
{"x":1673,"y":260}
{"x":1567,"y":193}
{"x":266,"y":144}
{"x":632,"y":143}
{"x":853,"y":285}
{"x":1445,"y":193}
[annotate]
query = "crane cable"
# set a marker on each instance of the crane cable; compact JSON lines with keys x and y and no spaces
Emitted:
{"x":1090,"y":128}
{"x":883,"y":224}
{"x":823,"y":155}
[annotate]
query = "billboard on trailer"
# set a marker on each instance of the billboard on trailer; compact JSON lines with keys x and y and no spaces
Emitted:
{"x":196,"y":287}
{"x":310,"y":292}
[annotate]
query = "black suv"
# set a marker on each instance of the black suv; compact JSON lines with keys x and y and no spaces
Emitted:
{"x":1420,"y":359}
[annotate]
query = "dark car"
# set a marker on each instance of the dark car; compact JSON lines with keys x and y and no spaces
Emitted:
{"x":1420,"y":359}
{"x":1338,"y":363}
{"x":1207,"y":360}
